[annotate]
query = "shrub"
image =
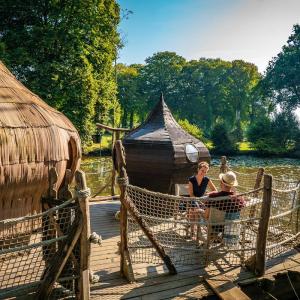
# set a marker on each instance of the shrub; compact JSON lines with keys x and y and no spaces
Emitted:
{"x":192,"y":129}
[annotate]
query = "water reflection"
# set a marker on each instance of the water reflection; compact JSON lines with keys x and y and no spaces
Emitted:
{"x":98,"y":169}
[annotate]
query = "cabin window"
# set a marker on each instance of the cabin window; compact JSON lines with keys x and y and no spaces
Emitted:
{"x":191,"y":153}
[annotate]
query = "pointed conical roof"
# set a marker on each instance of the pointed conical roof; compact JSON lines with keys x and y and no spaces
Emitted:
{"x":161,"y":126}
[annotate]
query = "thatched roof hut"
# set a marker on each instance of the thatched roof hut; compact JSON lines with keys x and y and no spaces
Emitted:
{"x":33,"y":138}
{"x":159,"y":153}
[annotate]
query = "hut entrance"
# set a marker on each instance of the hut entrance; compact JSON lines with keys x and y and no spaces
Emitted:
{"x":73,"y":153}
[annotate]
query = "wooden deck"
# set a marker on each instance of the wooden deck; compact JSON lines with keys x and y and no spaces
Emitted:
{"x":152,"y":281}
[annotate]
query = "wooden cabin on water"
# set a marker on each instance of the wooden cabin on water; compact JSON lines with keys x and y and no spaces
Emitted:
{"x":33,"y":138}
{"x":159,"y":153}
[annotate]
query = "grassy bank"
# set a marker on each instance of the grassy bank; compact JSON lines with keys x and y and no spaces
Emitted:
{"x":244,"y":148}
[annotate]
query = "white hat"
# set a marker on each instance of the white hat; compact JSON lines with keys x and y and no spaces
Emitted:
{"x":229,"y":178}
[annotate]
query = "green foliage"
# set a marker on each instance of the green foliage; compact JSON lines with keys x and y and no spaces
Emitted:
{"x":192,"y":129}
{"x":64,"y":51}
{"x":275,"y":136}
{"x":128,"y":94}
{"x":244,"y":146}
{"x":204,"y":92}
{"x":223,"y":142}
{"x":282,"y":80}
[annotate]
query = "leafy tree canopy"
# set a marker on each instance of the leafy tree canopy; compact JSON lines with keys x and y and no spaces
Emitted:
{"x":282,"y":80}
{"x":63,"y":51}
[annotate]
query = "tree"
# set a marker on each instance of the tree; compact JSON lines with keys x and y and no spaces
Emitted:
{"x":275,"y":136}
{"x":129,"y":95}
{"x":242,"y":79}
{"x":282,"y":80}
{"x":160,"y":74}
{"x":222,"y":141}
{"x":202,"y":91}
{"x":63,"y":51}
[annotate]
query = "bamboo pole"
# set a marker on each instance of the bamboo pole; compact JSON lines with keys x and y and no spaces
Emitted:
{"x":261,"y":243}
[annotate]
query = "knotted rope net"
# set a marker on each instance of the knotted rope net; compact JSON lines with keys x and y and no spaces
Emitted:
{"x":221,"y":230}
{"x":227,"y":235}
{"x":284,"y":225}
{"x":246,"y":180}
{"x":25,"y":256}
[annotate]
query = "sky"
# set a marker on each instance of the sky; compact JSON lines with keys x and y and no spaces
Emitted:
{"x":252,"y":30}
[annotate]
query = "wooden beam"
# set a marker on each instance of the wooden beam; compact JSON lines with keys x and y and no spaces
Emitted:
{"x":112,"y":129}
{"x":261,"y":243}
{"x":225,"y":288}
{"x":59,"y":260}
{"x":223,"y":166}
{"x":85,"y":246}
{"x":259,"y":177}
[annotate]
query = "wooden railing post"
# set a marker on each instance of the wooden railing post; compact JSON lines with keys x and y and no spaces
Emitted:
{"x":125,"y":262}
{"x":261,"y":243}
{"x":258,"y":180}
{"x":223,"y":167}
{"x":298,"y":211}
{"x":85,"y":246}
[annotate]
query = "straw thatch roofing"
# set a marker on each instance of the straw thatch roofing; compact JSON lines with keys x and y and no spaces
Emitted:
{"x":33,"y":138}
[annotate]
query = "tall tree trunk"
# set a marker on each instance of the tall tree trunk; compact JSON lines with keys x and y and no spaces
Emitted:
{"x":131,"y":119}
{"x":124,"y":117}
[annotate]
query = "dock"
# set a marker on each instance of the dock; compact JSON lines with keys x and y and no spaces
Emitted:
{"x":153,"y":282}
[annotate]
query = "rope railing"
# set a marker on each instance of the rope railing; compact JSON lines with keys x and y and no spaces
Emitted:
{"x":232,"y":230}
{"x":42,"y":254}
{"x":229,"y":235}
{"x":171,"y":218}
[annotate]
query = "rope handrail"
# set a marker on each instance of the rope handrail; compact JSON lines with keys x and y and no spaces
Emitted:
{"x":206,"y":197}
{"x":21,"y":219}
{"x":202,"y":221}
{"x":287,"y":181}
{"x":285,"y":213}
{"x":286,"y":191}
{"x":27,"y":247}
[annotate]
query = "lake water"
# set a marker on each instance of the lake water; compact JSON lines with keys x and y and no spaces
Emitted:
{"x":98,"y":169}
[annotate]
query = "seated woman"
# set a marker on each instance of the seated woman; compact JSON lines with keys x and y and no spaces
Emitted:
{"x":197,"y":188}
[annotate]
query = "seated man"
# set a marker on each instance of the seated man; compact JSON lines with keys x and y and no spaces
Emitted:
{"x":230,"y":207}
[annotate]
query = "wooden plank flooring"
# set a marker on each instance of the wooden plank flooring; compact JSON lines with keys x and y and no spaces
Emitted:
{"x":187,"y":284}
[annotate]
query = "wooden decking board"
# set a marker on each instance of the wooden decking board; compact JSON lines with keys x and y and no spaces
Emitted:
{"x":225,"y":288}
{"x":142,"y":289}
{"x":153,"y":282}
